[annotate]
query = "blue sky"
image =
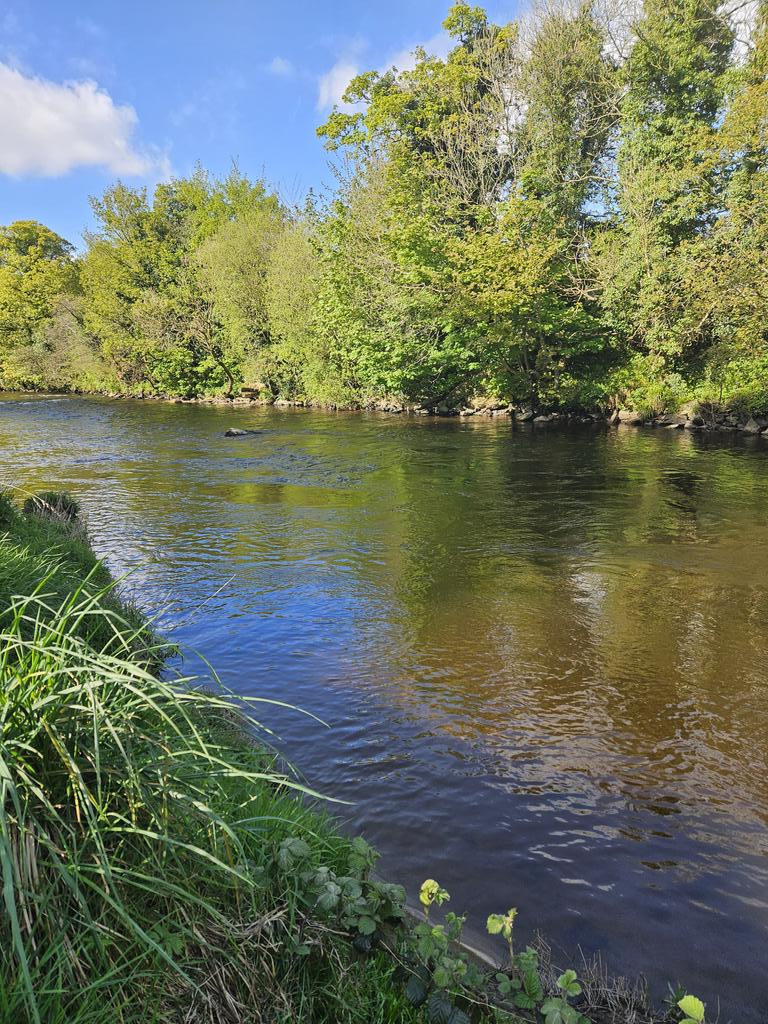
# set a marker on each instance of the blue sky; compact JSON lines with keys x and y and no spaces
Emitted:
{"x":93,"y":91}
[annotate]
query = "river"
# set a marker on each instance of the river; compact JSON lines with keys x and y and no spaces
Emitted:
{"x":542,"y":655}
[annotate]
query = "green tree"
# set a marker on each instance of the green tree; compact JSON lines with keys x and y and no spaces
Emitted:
{"x":37,"y":267}
{"x":667,"y":193}
{"x":482,"y":167}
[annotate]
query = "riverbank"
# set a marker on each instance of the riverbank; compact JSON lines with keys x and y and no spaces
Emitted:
{"x":160,"y":864}
{"x":705,"y":417}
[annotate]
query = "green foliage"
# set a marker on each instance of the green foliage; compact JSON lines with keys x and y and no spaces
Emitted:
{"x":557,"y":213}
{"x":431,"y":893}
{"x":503,"y":924}
{"x":693,"y":1009}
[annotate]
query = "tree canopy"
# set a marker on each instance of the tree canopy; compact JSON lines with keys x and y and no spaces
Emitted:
{"x":567,"y":211}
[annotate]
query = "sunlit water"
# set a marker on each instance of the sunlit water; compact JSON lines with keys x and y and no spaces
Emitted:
{"x":542,"y":655}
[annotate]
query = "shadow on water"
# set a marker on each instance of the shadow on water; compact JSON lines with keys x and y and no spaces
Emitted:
{"x":543,"y":655}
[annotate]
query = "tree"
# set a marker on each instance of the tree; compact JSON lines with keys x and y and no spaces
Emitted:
{"x":482,"y":166}
{"x":231,"y":268}
{"x":667,"y":193}
{"x":37,"y":266}
{"x":172,"y":287}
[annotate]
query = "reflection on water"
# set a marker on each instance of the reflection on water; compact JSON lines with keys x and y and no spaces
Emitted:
{"x":542,"y":656}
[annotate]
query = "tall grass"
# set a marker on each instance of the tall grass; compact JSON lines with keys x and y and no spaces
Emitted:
{"x":138,"y":824}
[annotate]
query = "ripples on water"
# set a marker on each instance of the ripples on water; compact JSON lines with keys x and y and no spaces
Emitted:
{"x":542,"y":656}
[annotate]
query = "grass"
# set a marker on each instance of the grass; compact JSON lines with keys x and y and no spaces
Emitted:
{"x":141,"y":828}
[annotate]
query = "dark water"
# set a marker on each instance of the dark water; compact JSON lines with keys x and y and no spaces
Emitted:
{"x":542,"y":656}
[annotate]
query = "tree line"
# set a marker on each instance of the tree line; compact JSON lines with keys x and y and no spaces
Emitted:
{"x":568,"y":211}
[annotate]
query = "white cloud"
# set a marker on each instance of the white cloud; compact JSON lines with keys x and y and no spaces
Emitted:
{"x":439,"y":45}
{"x":281,"y":67}
{"x":333,"y":84}
{"x":48,"y":129}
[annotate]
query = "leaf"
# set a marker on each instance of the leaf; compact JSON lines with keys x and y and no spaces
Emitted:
{"x":441,"y":977}
{"x":415,"y":991}
{"x":292,"y":849}
{"x":431,"y":892}
{"x":366,"y":925}
{"x":439,"y":1008}
{"x":352,"y":888}
{"x":568,"y":983}
{"x":552,"y":1011}
{"x":693,"y":1008}
{"x":458,"y":1017}
{"x":362,"y":943}
{"x":494,"y":924}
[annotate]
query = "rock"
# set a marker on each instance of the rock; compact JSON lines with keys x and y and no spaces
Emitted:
{"x":751,"y":427}
{"x":541,"y":419}
{"x":630,"y":417}
{"x":524,"y":415}
{"x":669,"y":420}
{"x":486,"y":403}
{"x":693,"y":425}
{"x":235,"y":432}
{"x":674,"y":426}
{"x":466,"y":412}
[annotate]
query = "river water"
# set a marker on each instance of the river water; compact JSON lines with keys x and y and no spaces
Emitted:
{"x":542,"y":656}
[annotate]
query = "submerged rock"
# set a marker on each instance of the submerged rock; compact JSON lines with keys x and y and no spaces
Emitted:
{"x":237,"y":432}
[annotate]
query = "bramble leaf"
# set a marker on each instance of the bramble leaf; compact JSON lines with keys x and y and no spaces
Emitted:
{"x":415,"y":991}
{"x":693,"y":1008}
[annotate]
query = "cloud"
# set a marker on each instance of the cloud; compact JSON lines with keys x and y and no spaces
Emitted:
{"x":281,"y":67}
{"x":333,"y":84}
{"x":48,"y":129}
{"x":439,"y":45}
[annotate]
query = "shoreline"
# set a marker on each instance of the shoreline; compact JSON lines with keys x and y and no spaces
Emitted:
{"x":694,"y":417}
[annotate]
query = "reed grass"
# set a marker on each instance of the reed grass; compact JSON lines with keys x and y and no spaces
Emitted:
{"x":138,"y":820}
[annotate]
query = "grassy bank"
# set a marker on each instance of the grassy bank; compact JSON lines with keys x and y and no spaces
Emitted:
{"x":150,"y":853}
{"x":159,"y":864}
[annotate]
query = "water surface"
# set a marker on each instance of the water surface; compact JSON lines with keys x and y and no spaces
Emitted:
{"x":542,"y":655}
